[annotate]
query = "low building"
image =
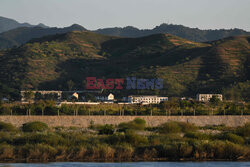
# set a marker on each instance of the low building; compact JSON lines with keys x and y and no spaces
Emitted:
{"x":105,"y":97}
{"x":75,"y":95}
{"x":98,"y":96}
{"x":77,"y":103}
{"x":5,"y":99}
{"x":146,"y":99}
{"x":207,"y":97}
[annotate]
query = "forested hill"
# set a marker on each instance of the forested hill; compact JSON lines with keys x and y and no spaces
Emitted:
{"x":19,"y":36}
{"x":187,"y":67}
{"x":193,"y":34}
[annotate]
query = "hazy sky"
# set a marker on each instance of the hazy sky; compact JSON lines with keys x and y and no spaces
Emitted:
{"x":93,"y":14}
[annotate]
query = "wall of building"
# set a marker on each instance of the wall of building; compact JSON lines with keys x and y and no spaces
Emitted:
{"x":84,"y":121}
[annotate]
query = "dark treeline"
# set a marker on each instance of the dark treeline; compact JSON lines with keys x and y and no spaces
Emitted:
{"x":131,"y":141}
{"x":172,"y":107}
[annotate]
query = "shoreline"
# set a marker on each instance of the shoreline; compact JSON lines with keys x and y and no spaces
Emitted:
{"x":124,"y":161}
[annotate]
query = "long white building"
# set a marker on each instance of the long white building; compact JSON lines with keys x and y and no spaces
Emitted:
{"x":146,"y":99}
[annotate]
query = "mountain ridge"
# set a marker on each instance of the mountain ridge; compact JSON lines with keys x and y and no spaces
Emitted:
{"x":193,"y":34}
{"x":19,"y":36}
{"x":186,"y":67}
{"x":7,"y":24}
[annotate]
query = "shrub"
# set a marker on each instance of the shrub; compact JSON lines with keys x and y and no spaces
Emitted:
{"x":198,"y":135}
{"x":106,"y":152}
{"x":185,"y":150}
{"x":7,"y":127}
{"x":50,"y":110}
{"x":233,"y":138}
{"x":221,"y":127}
{"x":6,"y":137}
{"x":106,"y":129}
{"x":218,"y":149}
{"x":35,"y":127}
{"x":134,"y":139}
{"x":244,"y":131}
{"x":139,"y":121}
{"x":124,"y":152}
{"x":42,"y":152}
{"x":116,"y":138}
{"x":136,"y":124}
{"x":46,"y":138}
{"x":170,"y":127}
{"x":129,"y":137}
{"x":168,"y":150}
{"x":233,"y":151}
{"x":187,"y":127}
{"x":6,"y":152}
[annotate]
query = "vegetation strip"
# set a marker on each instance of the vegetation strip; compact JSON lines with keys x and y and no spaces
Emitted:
{"x":131,"y":141}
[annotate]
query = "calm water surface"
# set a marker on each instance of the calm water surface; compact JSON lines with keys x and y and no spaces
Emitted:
{"x":132,"y":164}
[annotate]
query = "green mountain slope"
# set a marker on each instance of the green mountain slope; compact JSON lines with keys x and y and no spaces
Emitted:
{"x":193,"y":34}
{"x":19,"y":36}
{"x":187,"y":67}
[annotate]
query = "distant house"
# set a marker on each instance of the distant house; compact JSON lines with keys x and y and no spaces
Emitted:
{"x":98,"y":96}
{"x":207,"y":97}
{"x":75,"y":95}
{"x":146,"y":99}
{"x":186,"y":98}
{"x":5,"y":99}
{"x":105,"y":97}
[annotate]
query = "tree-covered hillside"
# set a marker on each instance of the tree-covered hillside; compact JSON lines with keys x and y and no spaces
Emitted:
{"x":19,"y":36}
{"x":187,"y":67}
{"x":193,"y":34}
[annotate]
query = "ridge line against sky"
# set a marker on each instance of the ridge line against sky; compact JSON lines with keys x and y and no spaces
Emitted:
{"x":143,"y":14}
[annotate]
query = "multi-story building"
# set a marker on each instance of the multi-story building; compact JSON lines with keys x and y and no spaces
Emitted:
{"x":146,"y":99}
{"x":207,"y":97}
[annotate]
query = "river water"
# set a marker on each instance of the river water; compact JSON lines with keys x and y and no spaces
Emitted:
{"x":132,"y":164}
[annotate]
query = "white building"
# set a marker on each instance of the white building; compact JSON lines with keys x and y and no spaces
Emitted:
{"x":75,"y":95}
{"x":146,"y":99}
{"x":207,"y":97}
{"x":103,"y":97}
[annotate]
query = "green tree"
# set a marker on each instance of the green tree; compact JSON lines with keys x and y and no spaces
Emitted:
{"x":38,"y":96}
{"x":29,"y":95}
{"x":215,"y":100}
{"x":90,"y":97}
{"x":42,"y":105}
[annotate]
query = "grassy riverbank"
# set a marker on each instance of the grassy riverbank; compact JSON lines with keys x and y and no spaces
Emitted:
{"x":133,"y":141}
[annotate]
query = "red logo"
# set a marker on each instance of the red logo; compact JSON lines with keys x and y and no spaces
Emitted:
{"x":93,"y":83}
